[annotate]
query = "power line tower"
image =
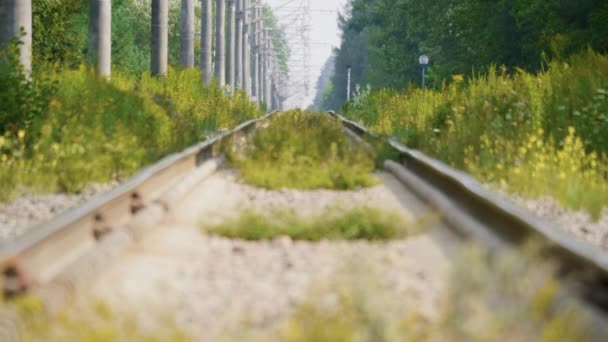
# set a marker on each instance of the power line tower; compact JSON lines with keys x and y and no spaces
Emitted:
{"x":295,"y":21}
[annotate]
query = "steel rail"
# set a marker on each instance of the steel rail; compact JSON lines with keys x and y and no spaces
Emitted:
{"x":475,"y":212}
{"x":43,"y":253}
{"x":40,"y":255}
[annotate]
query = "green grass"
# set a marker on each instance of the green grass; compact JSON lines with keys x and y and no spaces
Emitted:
{"x":537,"y":134}
{"x":63,"y":129}
{"x":89,"y":322}
{"x":359,"y":223}
{"x":305,"y":150}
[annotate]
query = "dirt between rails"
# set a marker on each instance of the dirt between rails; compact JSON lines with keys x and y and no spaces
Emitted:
{"x":219,"y":288}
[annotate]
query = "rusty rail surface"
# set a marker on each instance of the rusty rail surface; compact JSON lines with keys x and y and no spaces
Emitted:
{"x":475,"y":212}
{"x":41,"y":255}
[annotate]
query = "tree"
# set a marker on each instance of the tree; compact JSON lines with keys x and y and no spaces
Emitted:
{"x":382,"y":39}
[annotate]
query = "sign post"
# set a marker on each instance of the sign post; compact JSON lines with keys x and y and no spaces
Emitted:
{"x":424,"y":63}
{"x":348,"y":67}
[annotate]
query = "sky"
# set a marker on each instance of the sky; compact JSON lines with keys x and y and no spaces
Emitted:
{"x":324,"y":36}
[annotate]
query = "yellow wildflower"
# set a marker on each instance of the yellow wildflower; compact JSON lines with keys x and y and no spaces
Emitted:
{"x":457,"y":78}
{"x":21,"y":134}
{"x":55,"y":104}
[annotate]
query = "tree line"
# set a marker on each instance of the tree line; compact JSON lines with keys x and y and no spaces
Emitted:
{"x":382,"y":39}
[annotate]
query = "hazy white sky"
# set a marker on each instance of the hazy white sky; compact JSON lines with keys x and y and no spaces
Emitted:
{"x":324,"y":35}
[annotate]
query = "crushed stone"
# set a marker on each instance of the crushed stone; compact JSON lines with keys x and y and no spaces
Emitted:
{"x":26,"y":211}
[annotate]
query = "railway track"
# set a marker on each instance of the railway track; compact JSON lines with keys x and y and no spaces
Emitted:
{"x":59,"y":256}
{"x":476,"y":212}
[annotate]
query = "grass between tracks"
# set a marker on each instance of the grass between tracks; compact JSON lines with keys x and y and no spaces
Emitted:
{"x":88,"y":322}
{"x":510,"y":297}
{"x":304,"y":150}
{"x":336,"y":223}
{"x":63,"y":129}
{"x":536,"y":134}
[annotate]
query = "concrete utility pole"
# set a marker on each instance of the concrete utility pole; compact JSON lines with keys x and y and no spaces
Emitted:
{"x":273,"y":76}
{"x":246,"y":47}
{"x":207,"y":40}
{"x":263,"y":65}
{"x":220,"y":43}
{"x":160,"y":37}
{"x":268,"y":81}
{"x":238,"y":49}
{"x":260,"y":47}
{"x":231,"y":43}
{"x":276,"y":80}
{"x":100,"y":36}
{"x":15,"y":16}
{"x":187,"y":33}
{"x":255,"y":90}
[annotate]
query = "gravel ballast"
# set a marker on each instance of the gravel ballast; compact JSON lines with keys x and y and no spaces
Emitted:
{"x":578,"y":223}
{"x":218,"y":288}
{"x":26,"y":211}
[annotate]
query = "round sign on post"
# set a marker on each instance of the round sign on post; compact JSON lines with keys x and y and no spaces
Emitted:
{"x":424,"y":60}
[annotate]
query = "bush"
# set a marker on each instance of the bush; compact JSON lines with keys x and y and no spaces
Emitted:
{"x":84,"y":129}
{"x":542,"y":134}
{"x":196,"y":109}
{"x":22,"y":100}
{"x":59,"y":33}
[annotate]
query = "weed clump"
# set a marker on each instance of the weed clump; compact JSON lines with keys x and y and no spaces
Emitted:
{"x":305,"y":150}
{"x":360,"y":223}
{"x":87,"y":322}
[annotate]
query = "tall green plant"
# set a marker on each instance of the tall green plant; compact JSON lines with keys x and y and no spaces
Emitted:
{"x":538,"y":134}
{"x":22,"y":100}
{"x":93,"y":130}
